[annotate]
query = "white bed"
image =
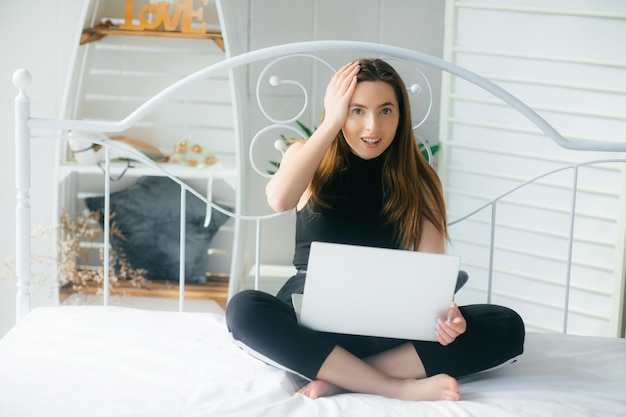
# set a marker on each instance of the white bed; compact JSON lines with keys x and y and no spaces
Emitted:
{"x":116,"y":361}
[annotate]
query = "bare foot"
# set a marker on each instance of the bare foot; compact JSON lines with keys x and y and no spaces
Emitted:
{"x":319,"y":388}
{"x":436,"y":387}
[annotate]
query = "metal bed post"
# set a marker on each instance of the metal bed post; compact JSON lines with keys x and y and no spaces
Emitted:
{"x":182,"y":239}
{"x":570,"y":248}
{"x":492,"y":244}
{"x":107,"y":226}
{"x":22,"y":79}
{"x":257,"y":255}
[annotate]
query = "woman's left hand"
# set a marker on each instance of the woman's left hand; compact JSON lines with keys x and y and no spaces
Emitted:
{"x":452,"y":327}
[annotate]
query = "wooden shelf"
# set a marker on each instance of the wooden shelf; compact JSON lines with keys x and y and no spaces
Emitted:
{"x":98,"y":32}
{"x":215,"y":289}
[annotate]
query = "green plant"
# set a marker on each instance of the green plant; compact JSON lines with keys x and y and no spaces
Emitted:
{"x":288,"y":141}
{"x":433,"y":150}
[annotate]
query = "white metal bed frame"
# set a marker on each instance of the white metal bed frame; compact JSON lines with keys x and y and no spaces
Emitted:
{"x":24,"y":123}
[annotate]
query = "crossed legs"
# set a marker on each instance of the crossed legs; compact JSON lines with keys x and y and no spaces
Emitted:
{"x":396,"y":373}
{"x":373,"y":365}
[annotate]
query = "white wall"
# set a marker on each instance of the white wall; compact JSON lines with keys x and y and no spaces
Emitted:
{"x":563,"y":60}
{"x":37,"y":35}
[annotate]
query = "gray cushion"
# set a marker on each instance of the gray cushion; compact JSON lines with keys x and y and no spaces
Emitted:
{"x":147,"y":214}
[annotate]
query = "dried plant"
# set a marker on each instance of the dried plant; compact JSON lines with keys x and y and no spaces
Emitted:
{"x":42,"y":260}
{"x":77,"y":235}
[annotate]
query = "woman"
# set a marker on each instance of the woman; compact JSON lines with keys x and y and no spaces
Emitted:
{"x":360,"y":179}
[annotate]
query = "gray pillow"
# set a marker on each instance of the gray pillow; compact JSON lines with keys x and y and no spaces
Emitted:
{"x":147,"y":215}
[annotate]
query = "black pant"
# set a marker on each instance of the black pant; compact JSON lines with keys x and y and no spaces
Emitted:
{"x":268,"y":325}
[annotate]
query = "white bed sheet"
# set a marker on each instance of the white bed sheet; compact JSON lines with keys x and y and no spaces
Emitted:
{"x":116,"y":361}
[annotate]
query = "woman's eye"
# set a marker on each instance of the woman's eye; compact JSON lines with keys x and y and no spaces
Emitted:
{"x":357,"y":111}
{"x":385,"y":111}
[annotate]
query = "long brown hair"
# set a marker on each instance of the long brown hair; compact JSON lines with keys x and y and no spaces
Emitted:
{"x":411,"y":187}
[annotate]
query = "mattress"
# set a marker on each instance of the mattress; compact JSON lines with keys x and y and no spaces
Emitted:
{"x":118,"y":361}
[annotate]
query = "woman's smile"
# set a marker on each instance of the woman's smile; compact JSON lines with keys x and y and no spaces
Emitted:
{"x":371,"y":140}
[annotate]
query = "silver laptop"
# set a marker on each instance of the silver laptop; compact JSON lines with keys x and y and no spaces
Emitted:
{"x":376,"y":292}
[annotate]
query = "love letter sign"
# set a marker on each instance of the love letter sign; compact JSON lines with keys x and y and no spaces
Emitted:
{"x":153,"y":16}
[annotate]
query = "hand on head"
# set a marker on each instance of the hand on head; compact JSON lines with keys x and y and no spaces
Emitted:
{"x":339,"y":93}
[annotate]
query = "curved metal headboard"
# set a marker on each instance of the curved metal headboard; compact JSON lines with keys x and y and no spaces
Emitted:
{"x":24,"y":122}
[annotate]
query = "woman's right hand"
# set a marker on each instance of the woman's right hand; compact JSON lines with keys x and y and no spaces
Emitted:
{"x":339,"y":93}
{"x":288,"y":186}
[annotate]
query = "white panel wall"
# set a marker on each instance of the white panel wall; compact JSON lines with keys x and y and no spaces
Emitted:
{"x":564,"y":60}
